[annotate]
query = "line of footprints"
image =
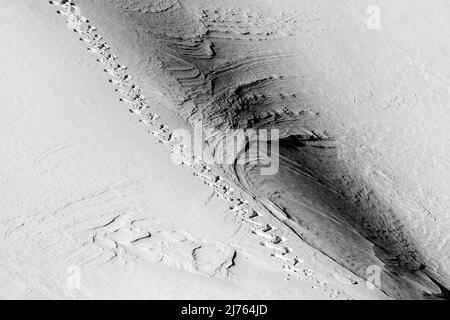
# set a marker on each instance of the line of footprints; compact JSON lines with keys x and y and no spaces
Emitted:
{"x":132,"y":96}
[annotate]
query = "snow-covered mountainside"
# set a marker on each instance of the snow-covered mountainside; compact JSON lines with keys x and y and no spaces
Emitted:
{"x":94,"y":205}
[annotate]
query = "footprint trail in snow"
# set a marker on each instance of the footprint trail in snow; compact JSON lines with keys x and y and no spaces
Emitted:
{"x":131,"y":95}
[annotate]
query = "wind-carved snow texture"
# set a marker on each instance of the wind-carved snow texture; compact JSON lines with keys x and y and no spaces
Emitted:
{"x":224,"y":96}
{"x":125,"y":238}
{"x":238,"y":24}
{"x":238,"y":69}
{"x":153,"y":6}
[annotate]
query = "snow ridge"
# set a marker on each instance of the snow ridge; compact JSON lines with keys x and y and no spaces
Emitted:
{"x":165,"y":246}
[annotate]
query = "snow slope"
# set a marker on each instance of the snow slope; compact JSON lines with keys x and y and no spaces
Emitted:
{"x":88,"y":192}
{"x":366,"y":110}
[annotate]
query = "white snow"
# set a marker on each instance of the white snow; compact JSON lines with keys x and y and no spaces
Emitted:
{"x":92,"y":205}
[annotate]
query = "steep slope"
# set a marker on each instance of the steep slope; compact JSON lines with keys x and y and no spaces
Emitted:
{"x":363,"y":113}
{"x":92,"y":205}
